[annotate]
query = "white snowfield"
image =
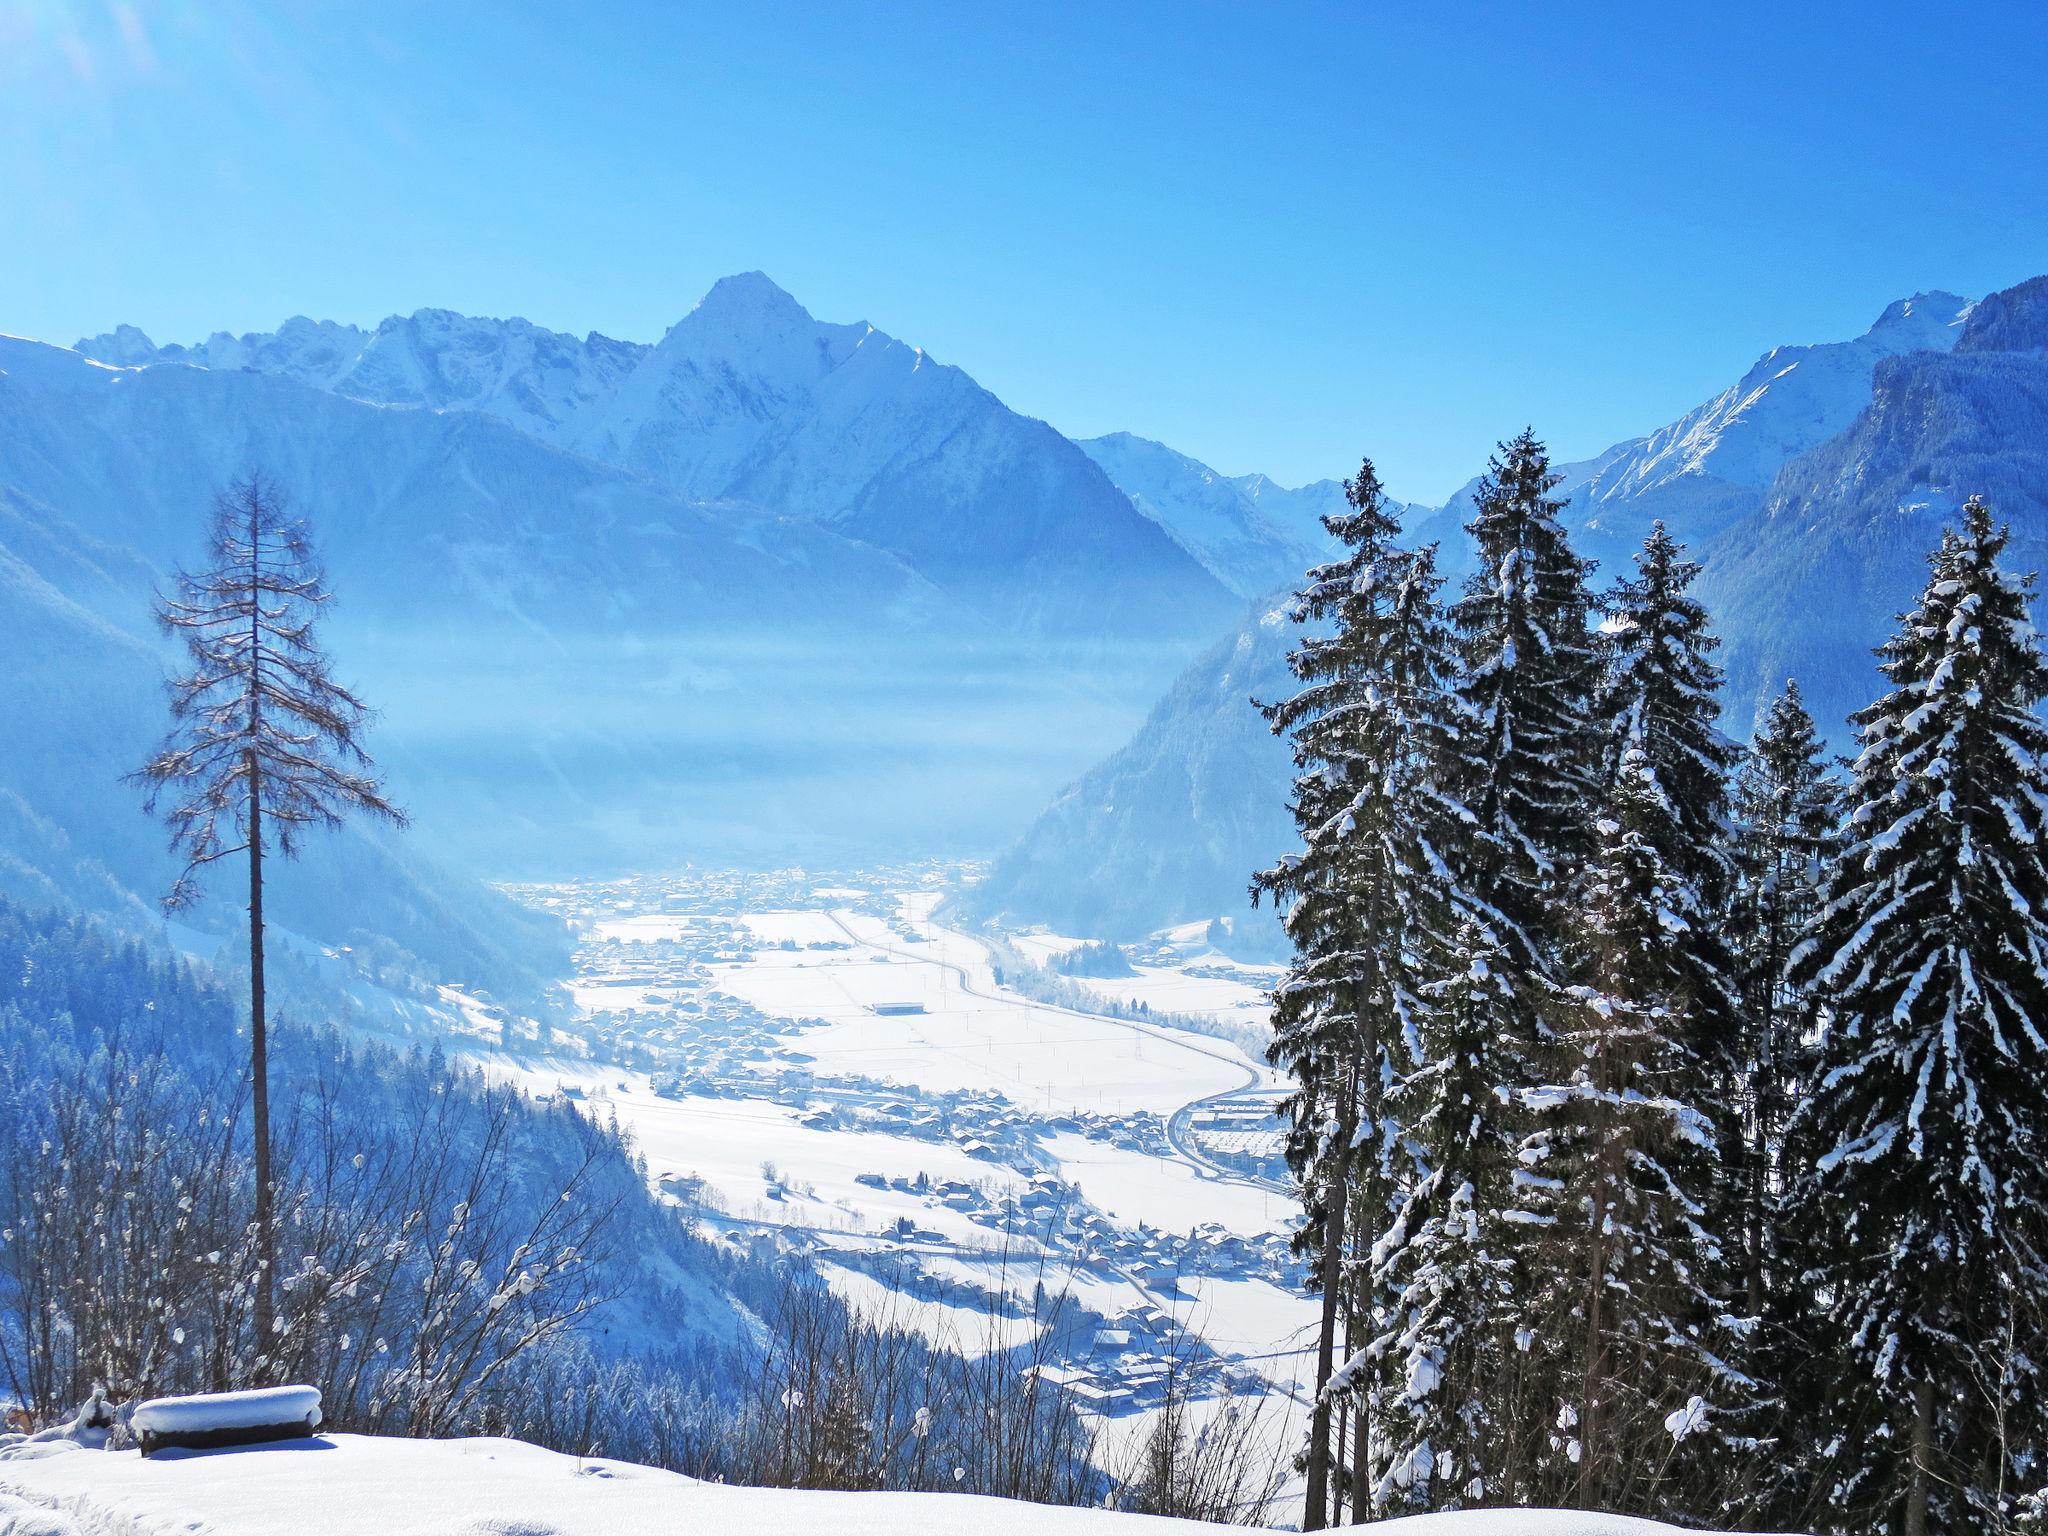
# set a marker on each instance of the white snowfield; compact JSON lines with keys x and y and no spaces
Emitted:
{"x":355,"y":1485}
{"x":971,"y":1033}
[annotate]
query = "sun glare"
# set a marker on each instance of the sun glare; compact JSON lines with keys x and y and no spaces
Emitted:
{"x":93,"y":43}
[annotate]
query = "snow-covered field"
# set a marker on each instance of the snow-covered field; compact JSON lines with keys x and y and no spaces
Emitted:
{"x":356,"y":1485}
{"x":729,"y":1142}
{"x":835,"y":1069}
{"x":972,"y":1033}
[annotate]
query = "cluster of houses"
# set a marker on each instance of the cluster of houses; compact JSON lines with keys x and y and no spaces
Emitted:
{"x":1133,"y":1360}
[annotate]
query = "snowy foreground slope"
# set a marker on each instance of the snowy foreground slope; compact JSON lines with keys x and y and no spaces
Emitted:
{"x":353,"y":1485}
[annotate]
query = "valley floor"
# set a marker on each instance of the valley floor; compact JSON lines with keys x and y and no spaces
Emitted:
{"x":822,"y":1066}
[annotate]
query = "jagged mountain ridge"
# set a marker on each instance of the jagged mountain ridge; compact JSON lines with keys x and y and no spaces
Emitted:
{"x":749,"y":399}
{"x":709,"y":596}
{"x":541,"y":631}
{"x":1804,"y":567}
{"x":573,"y":661}
{"x":1714,"y":465}
{"x":1809,"y":583}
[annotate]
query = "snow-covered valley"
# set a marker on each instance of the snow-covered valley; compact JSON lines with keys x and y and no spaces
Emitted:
{"x":903,"y":767}
{"x":815,"y":1065}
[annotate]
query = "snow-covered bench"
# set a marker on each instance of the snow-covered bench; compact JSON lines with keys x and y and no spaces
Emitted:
{"x":214,"y":1419}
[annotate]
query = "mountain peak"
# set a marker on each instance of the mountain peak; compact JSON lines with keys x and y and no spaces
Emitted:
{"x":2014,"y":319}
{"x":125,"y":345}
{"x":1935,"y":309}
{"x":749,"y":295}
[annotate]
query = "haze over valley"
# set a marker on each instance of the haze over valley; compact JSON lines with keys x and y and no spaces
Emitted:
{"x":905,"y":767}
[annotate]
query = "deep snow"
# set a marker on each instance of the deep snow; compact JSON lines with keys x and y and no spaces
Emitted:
{"x":354,"y":1485}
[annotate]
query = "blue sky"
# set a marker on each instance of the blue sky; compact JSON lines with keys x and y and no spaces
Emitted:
{"x":1275,"y":236}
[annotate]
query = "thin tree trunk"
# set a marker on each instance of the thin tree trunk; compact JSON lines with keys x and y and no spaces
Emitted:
{"x":1361,"y":1448}
{"x":1316,"y":1506}
{"x":1367,"y":1231}
{"x":1359,"y":1325}
{"x":1594,"y":1383}
{"x":1340,"y":1437}
{"x":259,"y":1072}
{"x":1923,"y":1454}
{"x":1763,"y":1156}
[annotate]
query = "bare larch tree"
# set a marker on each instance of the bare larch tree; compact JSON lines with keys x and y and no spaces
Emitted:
{"x":263,"y":745}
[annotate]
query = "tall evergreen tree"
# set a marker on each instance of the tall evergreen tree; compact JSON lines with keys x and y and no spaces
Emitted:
{"x":1368,"y":895}
{"x":1626,"y":1322}
{"x":1787,"y":811}
{"x":1449,"y":1262}
{"x":264,"y":745}
{"x":1660,"y":701}
{"x":1661,"y":696}
{"x":1926,"y":1126}
{"x":1530,"y":669}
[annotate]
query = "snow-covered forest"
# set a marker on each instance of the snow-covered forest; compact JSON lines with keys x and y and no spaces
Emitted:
{"x":1667,"y":1111}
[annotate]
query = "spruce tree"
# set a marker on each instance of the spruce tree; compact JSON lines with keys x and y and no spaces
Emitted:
{"x":1787,"y":813}
{"x":1625,"y":1321}
{"x":1661,"y":697}
{"x":1660,"y":700}
{"x":1366,"y":897}
{"x":1449,"y":1261}
{"x":1927,"y":1124}
{"x":1529,"y":671}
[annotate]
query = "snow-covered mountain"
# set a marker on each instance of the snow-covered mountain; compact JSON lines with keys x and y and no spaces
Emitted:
{"x":1808,"y":583}
{"x":749,"y":399}
{"x":1169,"y":828}
{"x":1715,"y":463}
{"x":561,"y":650}
{"x":855,"y":643}
{"x":538,"y":380}
{"x":1811,"y":489}
{"x":1249,"y":533}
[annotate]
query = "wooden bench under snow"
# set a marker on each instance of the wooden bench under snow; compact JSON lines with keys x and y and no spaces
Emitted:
{"x":213,"y":1419}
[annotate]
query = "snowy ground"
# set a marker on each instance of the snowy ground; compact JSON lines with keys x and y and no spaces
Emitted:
{"x":1226,"y":991}
{"x":354,"y":1485}
{"x":972,"y":1033}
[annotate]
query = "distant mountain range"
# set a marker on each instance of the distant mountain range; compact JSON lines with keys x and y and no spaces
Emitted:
{"x":771,"y":588}
{"x":765,"y":589}
{"x":749,"y":400}
{"x":1715,"y":464}
{"x":1247,"y":532}
{"x":1812,"y":489}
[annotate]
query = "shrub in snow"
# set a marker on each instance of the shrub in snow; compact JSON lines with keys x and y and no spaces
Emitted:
{"x":94,"y":1426}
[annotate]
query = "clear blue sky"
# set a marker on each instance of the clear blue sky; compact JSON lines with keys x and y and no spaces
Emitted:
{"x":1272,"y":235}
